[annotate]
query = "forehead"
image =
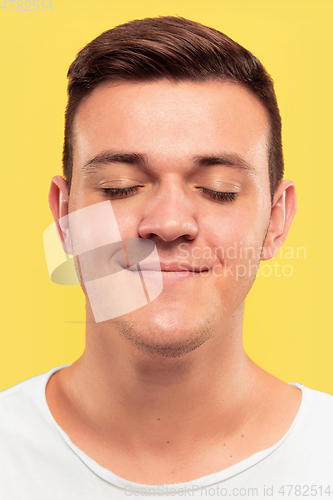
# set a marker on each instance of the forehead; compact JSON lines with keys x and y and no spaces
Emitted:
{"x":170,"y":122}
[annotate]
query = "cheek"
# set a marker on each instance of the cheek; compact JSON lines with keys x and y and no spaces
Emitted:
{"x":234,"y":230}
{"x":236,"y":239}
{"x":128,"y":222}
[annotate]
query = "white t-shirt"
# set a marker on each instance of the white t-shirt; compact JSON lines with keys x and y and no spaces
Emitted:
{"x":38,"y":461}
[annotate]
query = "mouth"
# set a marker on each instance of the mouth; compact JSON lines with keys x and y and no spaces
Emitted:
{"x":168,"y":273}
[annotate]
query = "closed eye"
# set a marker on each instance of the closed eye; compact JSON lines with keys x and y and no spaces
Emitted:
{"x":120,"y":192}
{"x":215,"y":195}
{"x":219,"y":195}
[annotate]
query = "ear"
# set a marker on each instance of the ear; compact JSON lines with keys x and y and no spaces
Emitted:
{"x":282,"y":214}
{"x":58,"y":201}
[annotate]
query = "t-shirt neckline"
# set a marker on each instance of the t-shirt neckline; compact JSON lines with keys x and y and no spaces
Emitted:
{"x":195,"y":484}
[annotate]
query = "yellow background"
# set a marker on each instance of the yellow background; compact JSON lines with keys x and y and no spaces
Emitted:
{"x":288,"y":327}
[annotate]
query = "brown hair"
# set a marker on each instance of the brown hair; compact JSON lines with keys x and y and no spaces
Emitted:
{"x":169,"y":47}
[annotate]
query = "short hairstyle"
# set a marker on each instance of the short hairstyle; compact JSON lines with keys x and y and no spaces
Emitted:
{"x":178,"y":49}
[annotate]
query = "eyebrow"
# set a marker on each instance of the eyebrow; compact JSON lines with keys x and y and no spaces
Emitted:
{"x":107,"y":157}
{"x":228,"y":159}
{"x":233,"y":160}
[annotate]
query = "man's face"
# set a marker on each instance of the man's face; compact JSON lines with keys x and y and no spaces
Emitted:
{"x":194,"y":140}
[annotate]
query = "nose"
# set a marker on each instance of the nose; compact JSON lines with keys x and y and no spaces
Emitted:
{"x":169,"y":215}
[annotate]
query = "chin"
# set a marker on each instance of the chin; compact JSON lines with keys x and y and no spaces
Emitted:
{"x":164,"y":333}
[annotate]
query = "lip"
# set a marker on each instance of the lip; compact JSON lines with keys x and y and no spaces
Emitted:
{"x":171,"y":267}
{"x":167,"y":276}
{"x":171,"y":272}
{"x":158,"y":273}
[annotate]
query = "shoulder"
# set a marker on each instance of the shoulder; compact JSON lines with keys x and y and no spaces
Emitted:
{"x":315,"y":417}
{"x":312,"y":398}
{"x":24,"y":405}
{"x":21,"y":393}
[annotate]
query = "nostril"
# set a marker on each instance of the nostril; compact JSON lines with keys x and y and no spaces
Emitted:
{"x":167,"y":229}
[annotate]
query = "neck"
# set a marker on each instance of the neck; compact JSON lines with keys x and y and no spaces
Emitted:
{"x":116,"y":381}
